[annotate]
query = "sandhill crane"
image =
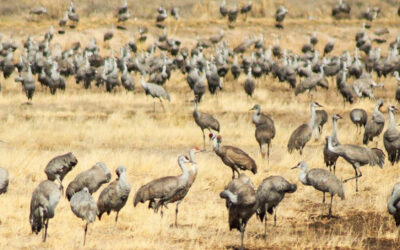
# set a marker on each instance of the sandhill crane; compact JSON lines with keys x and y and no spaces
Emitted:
{"x":310,"y":83}
{"x":374,"y":127}
{"x":217,"y":37}
{"x":126,"y":79}
{"x":250,"y":84}
{"x":109,"y":34}
{"x":246,"y":9}
{"x":180,"y":195}
{"x":233,"y":157}
{"x":391,"y":138}
{"x":205,"y":121}
{"x":123,"y":8}
{"x":222,"y":8}
{"x":156,"y":91}
{"x":163,"y":189}
{"x":28,"y":83}
{"x":115,"y":195}
{"x":359,"y":117}
{"x":269,"y":194}
{"x":92,"y":178}
{"x":321,"y":117}
{"x":233,"y":14}
{"x":330,"y":158}
{"x":322,"y":180}
{"x":302,"y":134}
{"x":4,"y":179}
{"x":265,"y":129}
{"x":84,"y":206}
{"x":72,"y":15}
{"x":175,"y":12}
{"x":329,"y":46}
{"x":314,"y":38}
{"x":393,"y":204}
{"x":280,"y":16}
{"x":357,"y":156}
{"x":38,"y":10}
{"x":241,"y":203}
{"x":44,"y":200}
{"x":59,"y":167}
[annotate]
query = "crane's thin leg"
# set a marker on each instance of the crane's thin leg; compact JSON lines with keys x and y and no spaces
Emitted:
{"x":84,"y":236}
{"x":262,"y":151}
{"x":176,"y":215}
{"x":233,"y":173}
{"x":162,"y":105}
{"x":46,"y":224}
{"x":358,"y":175}
{"x":323,"y":198}
{"x":334,"y":167}
{"x":330,"y":207}
{"x":265,"y":220}
{"x":276,"y":208}
{"x":242,"y":229}
{"x":116,"y":217}
{"x":154,"y":106}
{"x":204,"y":140}
{"x":61,"y":186}
{"x":162,"y":213}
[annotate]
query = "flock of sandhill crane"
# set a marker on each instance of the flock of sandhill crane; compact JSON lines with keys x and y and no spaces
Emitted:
{"x":205,"y":67}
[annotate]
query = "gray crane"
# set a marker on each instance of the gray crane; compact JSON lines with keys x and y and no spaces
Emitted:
{"x":59,"y":167}
{"x":357,"y":156}
{"x":269,"y":194}
{"x":391,"y":138}
{"x":241,"y":203}
{"x":265,"y":129}
{"x":233,"y":157}
{"x":322,"y":180}
{"x":393,"y":204}
{"x":84,"y":207}
{"x":301,"y":135}
{"x":163,"y":189}
{"x":329,"y":46}
{"x":28,"y":83}
{"x":205,"y":121}
{"x":92,"y":178}
{"x":4,"y":179}
{"x":374,"y":127}
{"x":330,"y":158}
{"x":156,"y":91}
{"x":126,"y":79}
{"x":109,"y":34}
{"x":359,"y":117}
{"x":321,"y":117}
{"x":179,"y":196}
{"x":44,"y":200}
{"x":280,"y":15}
{"x":250,"y":84}
{"x":115,"y":195}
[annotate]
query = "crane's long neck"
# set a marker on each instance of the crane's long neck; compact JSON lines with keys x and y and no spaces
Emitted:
{"x":303,"y":175}
{"x":392,"y":121}
{"x":331,"y":147}
{"x":216,"y":144}
{"x":256,"y":115}
{"x":334,"y":130}
{"x":227,"y":194}
{"x":312,"y":118}
{"x":344,"y":76}
{"x":376,"y":109}
{"x":185,"y":173}
{"x":143,"y":83}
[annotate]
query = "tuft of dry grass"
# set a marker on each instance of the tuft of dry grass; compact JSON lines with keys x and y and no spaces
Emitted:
{"x":121,"y":129}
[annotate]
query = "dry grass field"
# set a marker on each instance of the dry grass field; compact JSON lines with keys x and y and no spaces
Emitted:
{"x":122,"y":129}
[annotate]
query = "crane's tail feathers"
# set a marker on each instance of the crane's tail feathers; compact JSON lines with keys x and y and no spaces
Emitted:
{"x":379,"y":157}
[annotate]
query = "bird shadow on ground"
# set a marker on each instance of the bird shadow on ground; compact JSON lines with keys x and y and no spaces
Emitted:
{"x":181,"y":226}
{"x":26,"y":103}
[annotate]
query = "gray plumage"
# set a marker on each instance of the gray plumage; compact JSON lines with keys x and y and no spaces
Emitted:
{"x":250,"y":84}
{"x":114,"y":197}
{"x":92,"y":178}
{"x":28,"y":83}
{"x":38,"y":10}
{"x":358,"y":156}
{"x":205,"y":121}
{"x":391,"y":138}
{"x":160,"y":192}
{"x":109,"y":34}
{"x":359,"y":117}
{"x":301,"y":135}
{"x":4,"y":179}
{"x":374,"y":127}
{"x":44,"y":200}
{"x":269,"y":194}
{"x":330,"y":157}
{"x":265,"y":129}
{"x":233,"y":157}
{"x":393,"y":204}
{"x":321,"y":117}
{"x":126,"y":79}
{"x":84,"y":206}
{"x":310,"y":83}
{"x":322,"y":180}
{"x":241,"y":203}
{"x":59,"y":167}
{"x":155,"y":90}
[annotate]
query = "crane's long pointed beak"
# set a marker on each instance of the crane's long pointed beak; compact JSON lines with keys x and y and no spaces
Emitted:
{"x":294,"y":167}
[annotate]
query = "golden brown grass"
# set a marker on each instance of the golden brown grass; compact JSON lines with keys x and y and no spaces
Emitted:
{"x":121,"y":129}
